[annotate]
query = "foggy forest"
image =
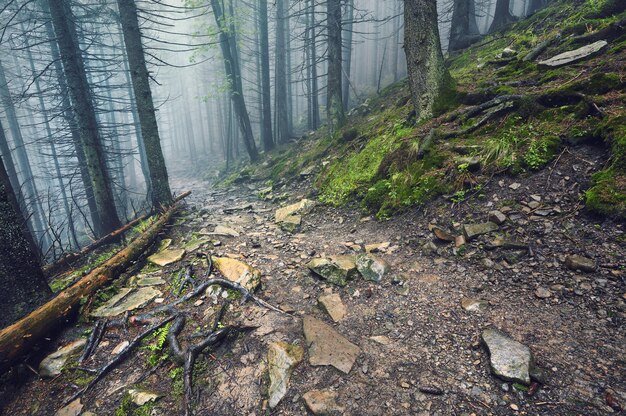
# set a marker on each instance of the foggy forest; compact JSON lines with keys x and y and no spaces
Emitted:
{"x":336,"y":207}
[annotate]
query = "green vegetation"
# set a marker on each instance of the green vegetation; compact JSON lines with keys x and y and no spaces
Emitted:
{"x":156,"y":345}
{"x":96,"y":259}
{"x":128,"y":408}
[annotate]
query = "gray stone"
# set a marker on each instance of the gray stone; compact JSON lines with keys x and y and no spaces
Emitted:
{"x":509,"y":359}
{"x":372,"y":268}
{"x":472,"y":231}
{"x":473,"y":305}
{"x":337,"y":269}
{"x":141,"y":397}
{"x":282,"y":358}
{"x":333,"y":305}
{"x":74,"y":408}
{"x":575,"y":55}
{"x":327,"y":347}
{"x":542,"y":293}
{"x":497,"y":217}
{"x":52,"y":365}
{"x":291,"y":223}
{"x":127,"y":299}
{"x":576,"y":262}
{"x":225,"y":231}
{"x":323,"y":403}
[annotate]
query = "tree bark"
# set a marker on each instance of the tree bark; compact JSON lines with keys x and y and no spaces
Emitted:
{"x":334,"y":107}
{"x":315,"y":106}
{"x":80,"y":93}
{"x":427,"y":72}
{"x":22,"y":283}
{"x":347,"y":54}
{"x":282,"y":120}
{"x":266,"y":99}
{"x":502,"y":16}
{"x":161,"y":194}
{"x":463,"y":28}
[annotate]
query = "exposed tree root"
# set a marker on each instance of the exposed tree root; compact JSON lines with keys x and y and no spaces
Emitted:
{"x":94,"y":339}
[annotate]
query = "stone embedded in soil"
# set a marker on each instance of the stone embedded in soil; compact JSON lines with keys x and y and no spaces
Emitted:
{"x":127,"y":299}
{"x":337,"y":270}
{"x":141,"y":397}
{"x":576,"y":262}
{"x":144,"y":280}
{"x":74,"y":408}
{"x":120,"y":347}
{"x":542,"y":293}
{"x":497,"y":217}
{"x":323,"y":403}
{"x":473,"y":305}
{"x":167,"y":256}
{"x":238,"y":272}
{"x":442,"y":234}
{"x":327,"y":347}
{"x":52,"y":365}
{"x":472,"y":231}
{"x":297,"y":208}
{"x":575,"y":55}
{"x":282,"y":358}
{"x":508,"y":359}
{"x":224,"y":231}
{"x":372,"y":268}
{"x":376,"y":247}
{"x":381,"y":339}
{"x":333,"y":305}
{"x":291,"y":223}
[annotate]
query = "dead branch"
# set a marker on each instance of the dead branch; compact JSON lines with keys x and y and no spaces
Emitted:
{"x":94,"y":339}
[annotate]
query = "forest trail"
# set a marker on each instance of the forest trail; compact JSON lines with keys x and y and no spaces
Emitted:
{"x":412,"y":341}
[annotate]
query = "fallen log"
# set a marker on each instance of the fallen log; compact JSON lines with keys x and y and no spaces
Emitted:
{"x":23,"y":334}
{"x":67,"y":259}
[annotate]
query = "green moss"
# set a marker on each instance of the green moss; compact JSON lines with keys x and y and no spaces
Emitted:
{"x":608,"y":194}
{"x":600,"y":83}
{"x":128,"y":408}
{"x":541,"y":150}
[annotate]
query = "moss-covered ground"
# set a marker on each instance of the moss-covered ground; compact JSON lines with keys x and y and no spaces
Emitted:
{"x":376,"y":158}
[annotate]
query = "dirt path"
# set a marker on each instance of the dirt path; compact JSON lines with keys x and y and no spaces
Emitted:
{"x":411,"y":329}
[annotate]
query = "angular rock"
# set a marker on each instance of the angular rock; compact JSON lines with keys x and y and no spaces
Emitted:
{"x":542,"y":293}
{"x":376,"y":247}
{"x":497,"y":217}
{"x":127,"y":299}
{"x":337,"y":269}
{"x":472,"y":231}
{"x":372,"y":268}
{"x":167,"y":256}
{"x":327,"y":347}
{"x":575,"y":55}
{"x":74,"y":408}
{"x":308,"y":171}
{"x":443,"y":235}
{"x":323,"y":403}
{"x":282,"y":358}
{"x":291,"y":223}
{"x":459,"y":241}
{"x":508,"y":359}
{"x":333,"y":305}
{"x":576,"y":262}
{"x":141,"y":397}
{"x":52,"y":365}
{"x":297,"y":208}
{"x":473,"y":305}
{"x":239,"y":272}
{"x":381,"y":339}
{"x":144,"y":280}
{"x":224,"y":231}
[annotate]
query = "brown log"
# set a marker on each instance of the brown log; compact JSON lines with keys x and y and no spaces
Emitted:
{"x":17,"y":338}
{"x":67,"y":259}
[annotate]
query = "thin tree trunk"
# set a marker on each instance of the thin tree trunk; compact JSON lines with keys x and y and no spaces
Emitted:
{"x":502,"y":16}
{"x":74,"y":69}
{"x":282,"y":121}
{"x":266,"y":102}
{"x":314,"y":84}
{"x":334,"y":107}
{"x":161,"y":194}
{"x":347,"y":53}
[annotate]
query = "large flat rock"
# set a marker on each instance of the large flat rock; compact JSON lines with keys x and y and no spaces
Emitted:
{"x":282,"y":358}
{"x":508,"y":359}
{"x":238,"y":272}
{"x":52,"y":365}
{"x":127,"y":299}
{"x":575,"y":55}
{"x":167,"y":256}
{"x":297,"y":208}
{"x":327,"y":346}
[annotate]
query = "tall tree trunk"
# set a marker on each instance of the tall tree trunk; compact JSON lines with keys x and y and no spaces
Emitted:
{"x":314,"y":84}
{"x":266,"y":101}
{"x":161,"y":194}
{"x":536,"y":5}
{"x":395,"y":51}
{"x":66,"y":111}
{"x":463,"y":29}
{"x":502,"y":16}
{"x":347,"y":53}
{"x":233,"y":78}
{"x":22,"y":283}
{"x":282,"y":120}
{"x":80,"y":93}
{"x":334,"y":106}
{"x":22,"y":155}
{"x":427,"y":73}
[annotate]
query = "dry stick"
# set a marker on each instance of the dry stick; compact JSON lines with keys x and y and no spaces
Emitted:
{"x":120,"y":357}
{"x":18,"y":337}
{"x":94,"y":339}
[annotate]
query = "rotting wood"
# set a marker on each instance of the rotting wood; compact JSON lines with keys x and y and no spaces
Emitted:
{"x":67,"y":259}
{"x":18,"y":337}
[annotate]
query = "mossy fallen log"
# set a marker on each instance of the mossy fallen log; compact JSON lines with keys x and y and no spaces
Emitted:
{"x":67,"y":259}
{"x":17,"y":338}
